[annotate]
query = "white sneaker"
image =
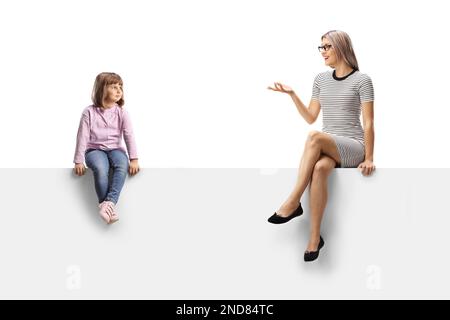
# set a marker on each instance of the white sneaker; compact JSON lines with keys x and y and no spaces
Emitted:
{"x":106,"y":210}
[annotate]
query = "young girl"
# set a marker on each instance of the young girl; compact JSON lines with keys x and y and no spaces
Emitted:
{"x":99,"y":143}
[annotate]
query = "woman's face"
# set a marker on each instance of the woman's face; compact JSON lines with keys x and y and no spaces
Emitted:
{"x":328,"y":53}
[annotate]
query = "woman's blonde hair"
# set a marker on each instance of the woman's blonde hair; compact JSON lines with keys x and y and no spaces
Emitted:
{"x":99,"y":91}
{"x":342,"y":46}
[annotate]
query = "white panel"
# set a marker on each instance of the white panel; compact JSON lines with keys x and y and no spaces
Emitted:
{"x":203,"y":234}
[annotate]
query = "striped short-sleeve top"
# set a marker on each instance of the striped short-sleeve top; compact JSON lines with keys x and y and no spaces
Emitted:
{"x":340,"y":100}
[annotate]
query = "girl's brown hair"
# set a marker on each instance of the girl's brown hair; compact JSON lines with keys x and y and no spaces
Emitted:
{"x":99,"y":91}
{"x":343,"y":47}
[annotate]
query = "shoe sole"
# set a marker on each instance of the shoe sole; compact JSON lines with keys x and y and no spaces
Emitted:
{"x":113,"y":221}
{"x":276,"y":219}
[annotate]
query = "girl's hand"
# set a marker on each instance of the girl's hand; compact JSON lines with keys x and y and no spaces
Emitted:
{"x":366,"y":167}
{"x":134,"y":167}
{"x":281,"y":88}
{"x":79,"y":169}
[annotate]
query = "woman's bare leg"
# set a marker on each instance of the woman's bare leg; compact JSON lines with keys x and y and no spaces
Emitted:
{"x":317,"y":144}
{"x":318,"y":195}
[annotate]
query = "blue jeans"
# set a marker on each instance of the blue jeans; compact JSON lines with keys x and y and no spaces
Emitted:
{"x":100,"y":162}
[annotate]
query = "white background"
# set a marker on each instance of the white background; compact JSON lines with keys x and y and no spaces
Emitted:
{"x":195,"y":75}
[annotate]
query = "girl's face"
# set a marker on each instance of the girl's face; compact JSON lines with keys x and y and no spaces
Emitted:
{"x":328,"y":53}
{"x":113,"y":92}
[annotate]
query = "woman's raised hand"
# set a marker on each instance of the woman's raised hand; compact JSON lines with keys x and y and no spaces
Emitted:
{"x":281,"y":88}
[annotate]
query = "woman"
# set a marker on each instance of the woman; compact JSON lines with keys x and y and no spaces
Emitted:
{"x":341,"y":94}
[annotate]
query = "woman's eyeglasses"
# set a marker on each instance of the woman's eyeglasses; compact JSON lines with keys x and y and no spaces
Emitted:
{"x":324,"y":48}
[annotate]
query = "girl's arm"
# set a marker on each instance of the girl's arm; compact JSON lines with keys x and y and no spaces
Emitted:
{"x":128,"y":136}
{"x":81,"y":144}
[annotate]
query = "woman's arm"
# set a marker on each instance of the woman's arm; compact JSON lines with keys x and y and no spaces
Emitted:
{"x":310,"y":114}
{"x":367,"y":167}
{"x":369,"y":132}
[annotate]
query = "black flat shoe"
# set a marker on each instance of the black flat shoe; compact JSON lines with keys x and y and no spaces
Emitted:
{"x":278,"y":219}
{"x":313,"y":255}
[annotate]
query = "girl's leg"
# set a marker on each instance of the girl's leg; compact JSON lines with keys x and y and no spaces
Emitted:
{"x":317,"y":144}
{"x":318,"y":195}
{"x":97,"y":161}
{"x":119,"y":165}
